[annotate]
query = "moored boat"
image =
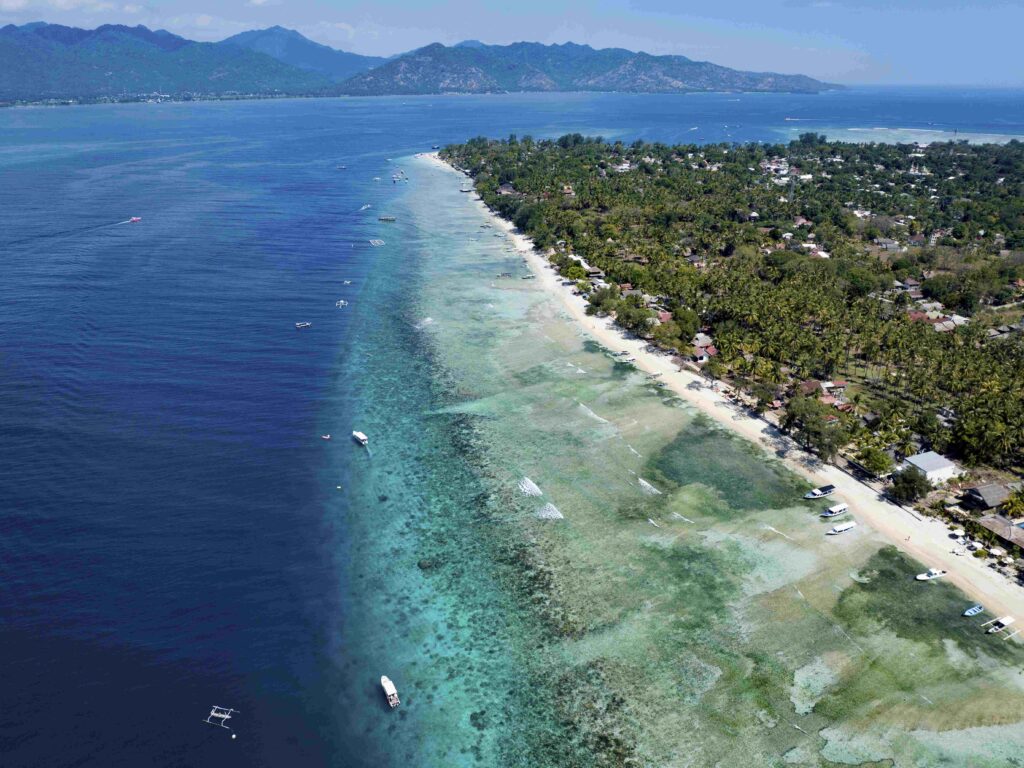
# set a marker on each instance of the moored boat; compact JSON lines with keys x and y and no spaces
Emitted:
{"x":390,"y":691}
{"x":841,"y":528}
{"x":360,"y":438}
{"x":821,"y":492}
{"x":835,"y":509}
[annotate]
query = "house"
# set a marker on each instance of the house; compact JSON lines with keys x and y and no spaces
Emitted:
{"x":938,"y":469}
{"x":506,"y":190}
{"x":697,"y":261}
{"x":809,"y":387}
{"x":1004,"y":528}
{"x":702,"y":340}
{"x":835,"y":388}
{"x":664,"y":317}
{"x":887,"y":244}
{"x":702,"y":354}
{"x":987,"y":496}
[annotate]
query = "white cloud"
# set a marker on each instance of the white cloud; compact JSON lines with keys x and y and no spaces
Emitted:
{"x":12,"y":5}
{"x":132,"y":8}
{"x":204,"y":20}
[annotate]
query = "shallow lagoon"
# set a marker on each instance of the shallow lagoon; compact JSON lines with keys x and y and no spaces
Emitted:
{"x":687,"y":608}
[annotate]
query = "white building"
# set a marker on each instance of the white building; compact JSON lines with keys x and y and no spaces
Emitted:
{"x":938,"y":469}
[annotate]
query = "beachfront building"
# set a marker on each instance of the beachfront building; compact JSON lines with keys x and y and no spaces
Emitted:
{"x":938,"y":469}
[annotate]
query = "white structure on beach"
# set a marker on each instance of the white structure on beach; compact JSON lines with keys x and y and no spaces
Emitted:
{"x":938,"y":469}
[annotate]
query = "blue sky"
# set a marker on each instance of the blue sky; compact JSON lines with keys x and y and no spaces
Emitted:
{"x":951,"y":42}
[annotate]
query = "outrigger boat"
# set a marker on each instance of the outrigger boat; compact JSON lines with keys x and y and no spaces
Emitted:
{"x":835,"y":510}
{"x":219,"y":716}
{"x":360,"y":438}
{"x":820,"y":493}
{"x":930,"y":575}
{"x":300,"y":326}
{"x":998,"y":625}
{"x":390,"y":691}
{"x":341,"y":303}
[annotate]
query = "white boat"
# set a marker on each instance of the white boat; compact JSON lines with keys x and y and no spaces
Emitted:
{"x":834,"y":510}
{"x":974,"y":610}
{"x":300,"y":326}
{"x":325,"y":437}
{"x":360,"y":438}
{"x":390,"y":691}
{"x":341,"y":303}
{"x":842,"y":528}
{"x":998,"y":625}
{"x":347,"y":282}
{"x":930,"y":575}
{"x":820,"y":493}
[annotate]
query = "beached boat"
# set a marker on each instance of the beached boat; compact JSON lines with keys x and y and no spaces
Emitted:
{"x":998,"y":625}
{"x":300,"y":326}
{"x":842,"y":528}
{"x":835,"y":509}
{"x":390,"y":691}
{"x":360,"y":438}
{"x":820,"y":493}
{"x":930,"y":575}
{"x":974,"y":610}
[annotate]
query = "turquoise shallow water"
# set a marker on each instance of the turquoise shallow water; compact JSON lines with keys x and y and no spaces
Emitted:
{"x":173,"y":534}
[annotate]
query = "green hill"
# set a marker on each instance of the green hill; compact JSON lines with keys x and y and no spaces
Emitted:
{"x":289,"y":46}
{"x":50,"y":61}
{"x":477,"y":68}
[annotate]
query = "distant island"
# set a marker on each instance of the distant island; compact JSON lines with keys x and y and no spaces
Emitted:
{"x":42,"y":62}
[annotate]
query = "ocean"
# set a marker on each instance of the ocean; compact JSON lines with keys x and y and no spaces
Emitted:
{"x":175,"y":533}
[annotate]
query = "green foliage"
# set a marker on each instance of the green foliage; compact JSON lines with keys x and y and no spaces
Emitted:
{"x":875,"y":460}
{"x":909,"y":485}
{"x":778,"y":314}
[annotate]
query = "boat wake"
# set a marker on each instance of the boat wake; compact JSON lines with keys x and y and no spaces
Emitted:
{"x":530,"y":488}
{"x":423,"y":323}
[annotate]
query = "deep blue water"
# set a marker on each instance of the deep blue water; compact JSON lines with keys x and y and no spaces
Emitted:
{"x":171,"y":535}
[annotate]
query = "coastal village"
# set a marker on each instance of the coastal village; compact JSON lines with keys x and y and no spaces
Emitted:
{"x":905,"y":247}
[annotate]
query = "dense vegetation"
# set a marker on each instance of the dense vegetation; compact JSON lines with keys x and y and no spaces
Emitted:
{"x":788,"y":254}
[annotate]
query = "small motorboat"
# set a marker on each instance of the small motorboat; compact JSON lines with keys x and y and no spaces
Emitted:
{"x":341,"y":303}
{"x":974,"y":610}
{"x":930,"y":575}
{"x":841,"y":528}
{"x":325,"y":437}
{"x":390,"y":691}
{"x":820,"y":493}
{"x":346,"y":282}
{"x":835,"y":510}
{"x":360,"y":438}
{"x":134,"y":219}
{"x":300,"y":326}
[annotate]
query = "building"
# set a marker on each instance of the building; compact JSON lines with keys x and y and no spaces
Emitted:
{"x":1007,"y":531}
{"x":987,"y":496}
{"x":938,"y":469}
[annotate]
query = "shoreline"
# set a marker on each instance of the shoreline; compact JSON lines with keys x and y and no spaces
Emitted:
{"x":925,"y":539}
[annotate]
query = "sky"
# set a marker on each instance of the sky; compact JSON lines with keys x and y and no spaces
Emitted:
{"x":919,"y":42}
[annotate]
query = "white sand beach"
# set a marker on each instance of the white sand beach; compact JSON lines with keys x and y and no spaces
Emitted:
{"x":925,"y":539}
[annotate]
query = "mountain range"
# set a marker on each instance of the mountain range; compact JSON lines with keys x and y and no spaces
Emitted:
{"x":40,"y":61}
